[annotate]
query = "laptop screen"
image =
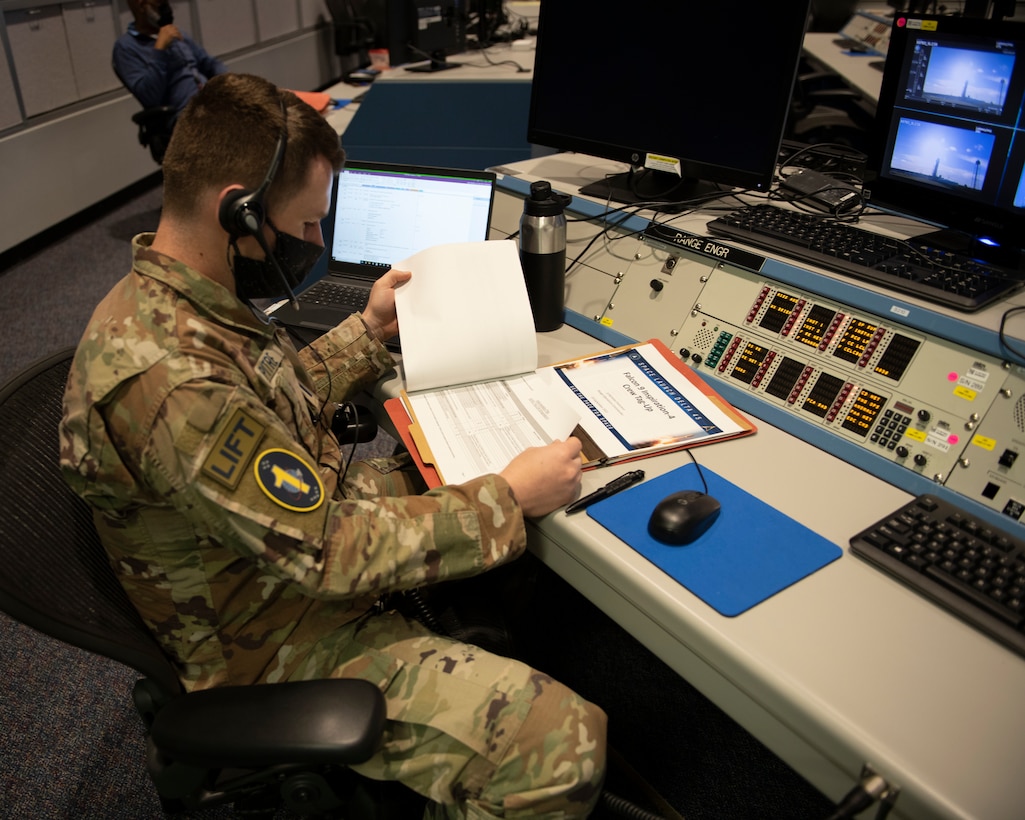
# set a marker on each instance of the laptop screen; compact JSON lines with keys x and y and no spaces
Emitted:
{"x":384,"y":212}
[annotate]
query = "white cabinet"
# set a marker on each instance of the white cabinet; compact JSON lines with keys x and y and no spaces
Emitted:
{"x":42,"y":62}
{"x":275,"y":18}
{"x":313,"y":13}
{"x":226,"y":25}
{"x":89,"y":25}
{"x":10,"y":114}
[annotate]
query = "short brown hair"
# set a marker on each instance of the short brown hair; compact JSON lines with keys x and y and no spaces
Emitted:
{"x":228,"y":133}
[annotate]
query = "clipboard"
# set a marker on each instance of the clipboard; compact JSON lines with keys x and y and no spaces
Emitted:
{"x":414,"y":440}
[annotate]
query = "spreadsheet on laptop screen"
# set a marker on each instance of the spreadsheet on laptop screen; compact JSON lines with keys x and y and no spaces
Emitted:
{"x":384,"y":216}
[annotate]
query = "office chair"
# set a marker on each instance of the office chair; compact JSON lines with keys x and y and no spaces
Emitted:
{"x":258,"y":747}
{"x":155,"y":127}
{"x":354,"y":30}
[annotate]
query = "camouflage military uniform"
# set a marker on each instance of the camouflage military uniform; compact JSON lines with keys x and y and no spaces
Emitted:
{"x":199,"y":435}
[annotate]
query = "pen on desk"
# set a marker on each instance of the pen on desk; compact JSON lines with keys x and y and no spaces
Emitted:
{"x":613,"y":487}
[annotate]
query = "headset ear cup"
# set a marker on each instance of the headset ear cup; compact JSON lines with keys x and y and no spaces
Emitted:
{"x":241,"y":213}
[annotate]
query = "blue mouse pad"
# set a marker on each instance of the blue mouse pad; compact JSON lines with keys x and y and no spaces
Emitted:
{"x":751,"y":551}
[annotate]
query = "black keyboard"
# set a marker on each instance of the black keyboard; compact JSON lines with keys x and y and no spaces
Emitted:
{"x":962,"y":563}
{"x":907,"y":267}
{"x":336,"y":294}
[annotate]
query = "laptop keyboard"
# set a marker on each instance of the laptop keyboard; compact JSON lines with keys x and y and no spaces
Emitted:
{"x":336,"y":295}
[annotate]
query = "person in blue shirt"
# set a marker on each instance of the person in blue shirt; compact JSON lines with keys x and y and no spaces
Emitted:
{"x":158,"y":63}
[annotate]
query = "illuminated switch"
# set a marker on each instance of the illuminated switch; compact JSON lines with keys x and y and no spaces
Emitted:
{"x":1008,"y":458}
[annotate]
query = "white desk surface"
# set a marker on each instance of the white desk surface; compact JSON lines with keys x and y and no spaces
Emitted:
{"x":856,"y":69}
{"x":491,"y":65}
{"x":847,"y":666}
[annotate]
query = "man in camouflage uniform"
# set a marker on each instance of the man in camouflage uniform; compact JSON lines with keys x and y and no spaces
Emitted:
{"x":201,"y":438}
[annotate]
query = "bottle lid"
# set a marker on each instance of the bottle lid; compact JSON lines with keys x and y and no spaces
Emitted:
{"x":543,"y":201}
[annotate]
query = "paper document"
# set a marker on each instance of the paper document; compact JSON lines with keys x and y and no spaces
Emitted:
{"x":476,"y":429}
{"x":464,"y":315}
{"x":623,"y":404}
{"x":635,"y":400}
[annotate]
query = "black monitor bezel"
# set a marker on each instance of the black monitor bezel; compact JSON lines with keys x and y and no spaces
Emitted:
{"x":685,"y":87}
{"x":980,"y":223}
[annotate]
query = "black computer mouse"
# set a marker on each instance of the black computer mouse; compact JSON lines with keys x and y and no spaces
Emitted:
{"x":680,"y":518}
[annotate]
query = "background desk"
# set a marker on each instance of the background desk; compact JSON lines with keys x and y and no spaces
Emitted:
{"x":846,"y":667}
{"x":471,"y":117}
{"x":855,"y":69}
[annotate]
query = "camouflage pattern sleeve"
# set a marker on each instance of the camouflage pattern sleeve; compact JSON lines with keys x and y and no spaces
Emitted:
{"x":345,"y":360}
{"x":273,"y":501}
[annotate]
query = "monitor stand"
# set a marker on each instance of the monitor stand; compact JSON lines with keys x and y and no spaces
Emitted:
{"x":437,"y":63}
{"x":657,"y":190}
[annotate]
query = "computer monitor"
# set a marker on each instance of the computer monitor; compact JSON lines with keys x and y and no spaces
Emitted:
{"x":948,"y":146}
{"x":415,"y":30}
{"x":690,"y":89}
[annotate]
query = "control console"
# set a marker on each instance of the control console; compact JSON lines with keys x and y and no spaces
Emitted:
{"x":911,"y":406}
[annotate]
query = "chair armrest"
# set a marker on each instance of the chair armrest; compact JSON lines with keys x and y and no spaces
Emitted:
{"x":354,"y":424}
{"x":149,"y":117}
{"x":338,"y":721}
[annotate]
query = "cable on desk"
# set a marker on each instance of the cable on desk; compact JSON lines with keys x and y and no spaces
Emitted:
{"x":624,"y":808}
{"x":1005,"y":342}
{"x":871,"y":788}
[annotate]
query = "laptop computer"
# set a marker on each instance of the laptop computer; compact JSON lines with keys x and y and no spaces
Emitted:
{"x":380,"y":214}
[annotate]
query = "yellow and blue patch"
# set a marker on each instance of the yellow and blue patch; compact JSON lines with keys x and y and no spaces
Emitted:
{"x":288,"y":480}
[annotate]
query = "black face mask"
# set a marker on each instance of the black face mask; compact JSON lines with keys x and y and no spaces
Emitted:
{"x":162,"y":15}
{"x":290,"y":262}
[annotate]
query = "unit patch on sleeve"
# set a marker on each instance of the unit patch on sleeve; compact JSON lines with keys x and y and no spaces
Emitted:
{"x":288,"y":480}
{"x":233,"y":449}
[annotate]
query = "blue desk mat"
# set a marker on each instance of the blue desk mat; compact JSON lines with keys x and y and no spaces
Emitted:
{"x":751,"y":552}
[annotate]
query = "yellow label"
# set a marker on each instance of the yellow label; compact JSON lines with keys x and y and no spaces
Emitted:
{"x":608,"y":322}
{"x":963,"y":392}
{"x":916,"y":435}
{"x":929,"y":25}
{"x":985,"y":442}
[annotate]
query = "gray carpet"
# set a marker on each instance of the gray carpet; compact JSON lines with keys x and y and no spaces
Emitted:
{"x":49,"y":286}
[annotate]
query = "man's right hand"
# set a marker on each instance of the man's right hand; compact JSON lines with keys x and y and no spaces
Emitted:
{"x":167,"y":35}
{"x":380,"y":316}
{"x":545,"y":478}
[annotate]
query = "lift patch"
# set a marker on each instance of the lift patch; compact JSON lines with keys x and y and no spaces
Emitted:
{"x":234,"y":447}
{"x":288,"y":480}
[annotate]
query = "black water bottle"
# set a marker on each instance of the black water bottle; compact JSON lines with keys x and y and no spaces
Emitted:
{"x":543,"y":253}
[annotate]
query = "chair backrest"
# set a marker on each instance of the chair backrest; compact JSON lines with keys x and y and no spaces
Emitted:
{"x":55,"y":575}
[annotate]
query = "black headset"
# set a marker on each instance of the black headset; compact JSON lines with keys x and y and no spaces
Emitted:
{"x":243,"y":213}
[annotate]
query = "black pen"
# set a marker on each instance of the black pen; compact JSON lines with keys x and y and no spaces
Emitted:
{"x":611,"y":488}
